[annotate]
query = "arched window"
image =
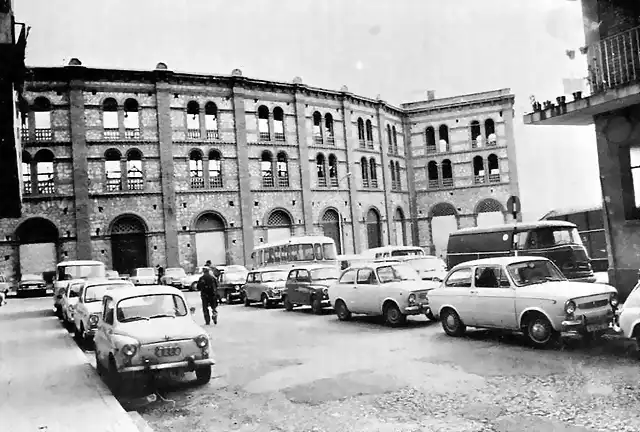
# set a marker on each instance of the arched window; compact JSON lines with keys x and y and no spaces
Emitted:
{"x":328,"y":128}
{"x":211,"y":120}
{"x":266,"y":169}
{"x":317,"y":127}
{"x":45,"y":171}
{"x":395,"y":140}
{"x":215,"y":169}
{"x":196,"y":169}
{"x":333,"y":170}
{"x":373,"y":167}
{"x":369,"y":130}
{"x":27,"y":186}
{"x":494,"y":168}
{"x":113,"y":170}
{"x":398,"y":177}
{"x":432,"y":172}
{"x":278,"y":124}
{"x":263,"y":123}
{"x":478,"y":170}
{"x":389,"y":139}
{"x":364,"y":171}
{"x":135,"y":176}
{"x":490,"y":132}
{"x":430,"y":139}
{"x":361,"y":132}
{"x":374,"y":229}
{"x":443,"y":133}
{"x":42,"y":116}
{"x":476,"y":135}
{"x":447,"y":174}
{"x":110,"y":122}
{"x":321,"y":169}
{"x":131,"y":119}
{"x":401,"y":231}
{"x":392,"y":168}
{"x":193,"y":121}
{"x":282,"y":164}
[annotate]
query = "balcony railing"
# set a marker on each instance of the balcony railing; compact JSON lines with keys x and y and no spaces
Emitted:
{"x":479,"y":179}
{"x":213,"y":134}
{"x":132,"y":133}
{"x":197,"y":182}
{"x":283,"y":180}
{"x":370,"y":144}
{"x":333,"y":181}
{"x":447,"y":182}
{"x":365,"y":182}
{"x":193,"y":133}
{"x":267,"y":181}
{"x":434,"y":184}
{"x":44,"y":134}
{"x":215,"y":181}
{"x":615,"y":61}
{"x":432,"y":149}
{"x":331,"y":140}
{"x":374,"y":183}
{"x":362,"y":143}
{"x":494,"y":178}
{"x":322,"y":182}
{"x":111,"y":133}
{"x":265,"y":136}
{"x":26,"y":185}
{"x":317,"y":138}
{"x":24,"y":134}
{"x":135,"y":183}
{"x":398,"y":185}
{"x":46,"y":186}
{"x":279,"y":136}
{"x":114,"y":184}
{"x":474,"y":143}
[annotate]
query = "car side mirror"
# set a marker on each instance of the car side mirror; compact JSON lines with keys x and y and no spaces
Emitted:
{"x":192,"y":309}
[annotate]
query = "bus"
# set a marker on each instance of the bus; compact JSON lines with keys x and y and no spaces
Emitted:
{"x":295,"y":251}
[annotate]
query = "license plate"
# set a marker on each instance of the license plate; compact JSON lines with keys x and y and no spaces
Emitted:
{"x":168,"y":351}
{"x":596,"y":327}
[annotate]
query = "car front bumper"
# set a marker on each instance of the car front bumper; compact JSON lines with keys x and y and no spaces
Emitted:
{"x":589,"y":325}
{"x":418,"y":309}
{"x":188,"y":364}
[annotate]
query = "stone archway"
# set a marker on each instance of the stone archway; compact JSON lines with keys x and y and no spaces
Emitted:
{"x":278,"y":226}
{"x":38,"y":239}
{"x":401,"y":228}
{"x":331,"y":227}
{"x":128,"y":244}
{"x":444,"y":221}
{"x":489,"y":212}
{"x":374,"y":229}
{"x":211,"y":240}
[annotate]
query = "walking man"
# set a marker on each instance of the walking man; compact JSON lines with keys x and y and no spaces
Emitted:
{"x":208,"y":287}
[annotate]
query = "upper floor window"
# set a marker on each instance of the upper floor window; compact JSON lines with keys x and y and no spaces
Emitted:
{"x":317,"y":127}
{"x":395,"y":139}
{"x":42,"y":117}
{"x":430,"y":138}
{"x":476,"y":135}
{"x":373,"y":167}
{"x":364,"y":171}
{"x":278,"y":124}
{"x":27,"y":187}
{"x":392,"y":167}
{"x":131,"y":119}
{"x":443,"y":132}
{"x":321,"y":169}
{"x":447,"y":174}
{"x":398,"y":177}
{"x":135,"y":176}
{"x":333,"y":170}
{"x":494,"y":168}
{"x":433,"y":175}
{"x":369,"y":130}
{"x":196,"y":169}
{"x":45,"y":172}
{"x":215,"y":169}
{"x":478,"y":170}
{"x":282,"y":165}
{"x":361,"y":134}
{"x":328,"y":128}
{"x":193,"y":120}
{"x":263,"y":123}
{"x":211,"y":120}
{"x":110,"y":122}
{"x":113,"y":170}
{"x":490,"y":132}
{"x":266,"y":169}
{"x":389,"y":139}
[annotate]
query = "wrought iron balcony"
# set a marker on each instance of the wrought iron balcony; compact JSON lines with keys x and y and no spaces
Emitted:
{"x":333,"y":181}
{"x":432,"y":149}
{"x":24,"y":135}
{"x":283,"y":180}
{"x":317,"y":138}
{"x":135,"y":183}
{"x":26,"y":185}
{"x":193,"y":133}
{"x":279,"y":136}
{"x":132,"y":133}
{"x":479,"y":179}
{"x":114,"y":184}
{"x":197,"y":181}
{"x":494,"y":178}
{"x":215,"y":181}
{"x":447,"y":182}
{"x":614,"y":61}
{"x":374,"y":183}
{"x":265,"y":136}
{"x":46,"y":186}
{"x":111,"y":133}
{"x":44,"y":134}
{"x":370,"y":144}
{"x":365,"y":182}
{"x":434,"y":184}
{"x":362,"y":143}
{"x":322,"y":182}
{"x":331,"y":140}
{"x":474,"y":143}
{"x":267,"y":181}
{"x":213,"y":134}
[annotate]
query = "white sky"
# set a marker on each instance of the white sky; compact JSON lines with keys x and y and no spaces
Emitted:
{"x":396,"y":48}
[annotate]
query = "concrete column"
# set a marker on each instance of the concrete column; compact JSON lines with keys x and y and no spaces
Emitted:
{"x":244,"y":175}
{"x":410,"y":180}
{"x":163,"y":100}
{"x":121,"y":130}
{"x":386,"y":174}
{"x":305,"y":177}
{"x":84,"y":250}
{"x":514,"y":185}
{"x":350,"y":143}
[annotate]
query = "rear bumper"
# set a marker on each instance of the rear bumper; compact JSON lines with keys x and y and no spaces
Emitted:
{"x":188,"y":364}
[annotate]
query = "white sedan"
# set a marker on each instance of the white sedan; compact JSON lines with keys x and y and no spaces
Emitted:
{"x":628,"y":319}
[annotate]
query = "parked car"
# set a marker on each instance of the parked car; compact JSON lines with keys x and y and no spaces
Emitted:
{"x":144,"y":276}
{"x":33,"y":284}
{"x":68,"y":302}
{"x":173,"y":276}
{"x":429,"y":267}
{"x":230,"y":282}
{"x":5,"y":287}
{"x":628,"y":316}
{"x":112,"y":274}
{"x":68,"y":272}
{"x":309,"y":286}
{"x":391,"y":289}
{"x":190,"y":282}
{"x":265,"y":286}
{"x":149,"y":331}
{"x":88,"y":307}
{"x":526,"y":294}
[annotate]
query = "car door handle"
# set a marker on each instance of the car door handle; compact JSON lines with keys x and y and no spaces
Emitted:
{"x":473,"y":292}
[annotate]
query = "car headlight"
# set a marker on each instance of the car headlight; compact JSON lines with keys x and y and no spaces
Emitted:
{"x":325,"y":291}
{"x":129,"y":350}
{"x":412,"y":298}
{"x":569,"y":307}
{"x":202,"y":341}
{"x":614,"y":299}
{"x":93,"y":319}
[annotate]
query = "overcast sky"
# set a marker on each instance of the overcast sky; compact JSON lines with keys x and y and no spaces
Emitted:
{"x":396,"y":48}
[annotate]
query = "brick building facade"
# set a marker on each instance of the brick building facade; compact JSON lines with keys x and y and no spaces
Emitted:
{"x":138,"y":168}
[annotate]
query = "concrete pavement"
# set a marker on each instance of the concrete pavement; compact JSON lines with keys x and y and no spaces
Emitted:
{"x":46,"y":383}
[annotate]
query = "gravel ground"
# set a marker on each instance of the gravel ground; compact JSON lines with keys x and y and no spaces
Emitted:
{"x":293,"y":371}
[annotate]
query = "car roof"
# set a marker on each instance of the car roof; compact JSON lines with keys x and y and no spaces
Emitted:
{"x":500,"y":261}
{"x":80,"y":262}
{"x":269,"y":269}
{"x":374,"y":264}
{"x":119,"y":294}
{"x":94,"y":282}
{"x":170,"y":268}
{"x":515,"y":226}
{"x":312,"y":266}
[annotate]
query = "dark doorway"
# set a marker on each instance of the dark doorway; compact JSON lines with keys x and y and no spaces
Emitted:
{"x":128,"y":244}
{"x":331,"y":228}
{"x":374,"y":232}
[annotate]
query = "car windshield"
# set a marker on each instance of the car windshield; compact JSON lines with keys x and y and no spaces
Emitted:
{"x":274,"y":276}
{"x":427,"y":264}
{"x":146,"y":272}
{"x":407,"y":252}
{"x":534,"y":272}
{"x":150,"y":306}
{"x":84,"y":271}
{"x":325,"y":273}
{"x":235,"y":275}
{"x":175,"y":272}
{"x":550,"y":236}
{"x":30,"y":277}
{"x":94,"y":293}
{"x":329,"y":251}
{"x":396,"y":272}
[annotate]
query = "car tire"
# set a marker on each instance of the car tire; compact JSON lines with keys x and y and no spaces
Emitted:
{"x":203,"y":374}
{"x":193,"y":286}
{"x":451,"y":323}
{"x":265,"y":301}
{"x":228,"y":298}
{"x":116,"y":380}
{"x":288,"y":306}
{"x":316,"y":305}
{"x":393,"y":316}
{"x":430,"y":316}
{"x":343,"y":313}
{"x":539,"y":331}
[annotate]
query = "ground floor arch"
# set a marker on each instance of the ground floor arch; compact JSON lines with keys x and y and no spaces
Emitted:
{"x":400,"y":227}
{"x":279,"y":226}
{"x":128,"y":244}
{"x":374,"y":229}
{"x":38,"y":240}
{"x":332,"y":228}
{"x":444,"y":221}
{"x":489,"y":213}
{"x":211,"y":240}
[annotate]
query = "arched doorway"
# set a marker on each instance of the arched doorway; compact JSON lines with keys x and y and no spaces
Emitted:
{"x":278,"y":226}
{"x":401,"y":229}
{"x":489,"y":213}
{"x":128,"y":244}
{"x":443,"y":223}
{"x":38,"y":246}
{"x":211,"y":242}
{"x":374,"y":229}
{"x":331,"y":227}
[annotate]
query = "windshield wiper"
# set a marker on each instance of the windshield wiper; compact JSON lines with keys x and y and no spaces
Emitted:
{"x":162,"y":316}
{"x":134,"y":318}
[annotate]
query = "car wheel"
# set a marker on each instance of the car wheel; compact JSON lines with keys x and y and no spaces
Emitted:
{"x":99,"y":367}
{"x":539,"y":331}
{"x":194,"y":286}
{"x":287,"y":304}
{"x":116,"y":382}
{"x":430,"y":315}
{"x":265,"y":301}
{"x":316,"y":305}
{"x":451,"y":323}
{"x":203,"y":374}
{"x":344,"y":314}
{"x":393,"y":316}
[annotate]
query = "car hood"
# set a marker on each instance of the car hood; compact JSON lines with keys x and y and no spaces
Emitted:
{"x":32,"y":282}
{"x":412,"y":285}
{"x":566,"y":289}
{"x":159,"y":329}
{"x":94,"y":307}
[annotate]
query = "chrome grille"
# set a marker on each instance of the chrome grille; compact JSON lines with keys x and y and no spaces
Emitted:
{"x":593,"y":304}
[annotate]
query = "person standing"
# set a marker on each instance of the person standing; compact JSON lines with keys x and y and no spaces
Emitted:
{"x":208,"y":287}
{"x":160,"y":270}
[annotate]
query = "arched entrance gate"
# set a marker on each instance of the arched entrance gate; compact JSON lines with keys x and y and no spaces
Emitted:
{"x":374,"y":229}
{"x":331,"y":227}
{"x":38,"y":247}
{"x":128,"y":244}
{"x":211,"y":242}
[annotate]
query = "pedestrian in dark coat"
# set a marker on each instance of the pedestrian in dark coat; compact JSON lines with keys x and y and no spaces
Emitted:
{"x":208,"y":287}
{"x":160,"y":273}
